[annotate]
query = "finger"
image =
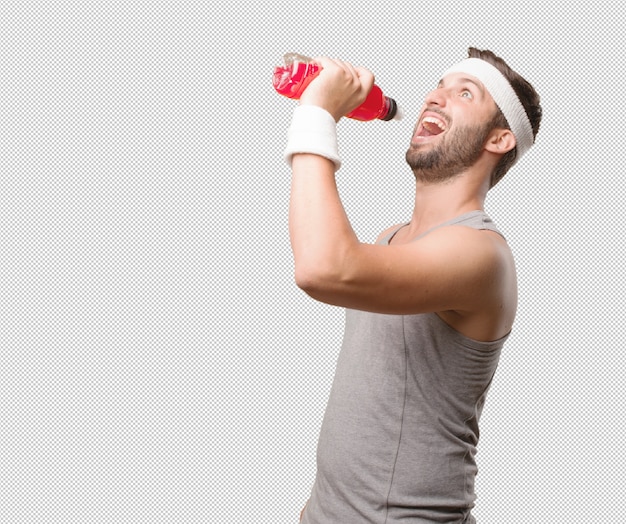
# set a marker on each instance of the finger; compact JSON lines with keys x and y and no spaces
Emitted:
{"x":351,"y":69}
{"x":335,"y":63}
{"x":325,"y":61}
{"x":365,"y":76}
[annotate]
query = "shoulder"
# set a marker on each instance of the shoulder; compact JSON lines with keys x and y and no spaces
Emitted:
{"x":476,"y":263}
{"x":485,"y":277}
{"x":458,"y":243}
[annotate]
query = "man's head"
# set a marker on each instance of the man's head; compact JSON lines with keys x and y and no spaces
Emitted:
{"x":480,"y":104}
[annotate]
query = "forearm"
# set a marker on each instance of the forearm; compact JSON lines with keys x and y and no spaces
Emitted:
{"x":321,"y":234}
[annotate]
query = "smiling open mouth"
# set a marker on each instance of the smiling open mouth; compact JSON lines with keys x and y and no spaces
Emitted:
{"x":431,"y":126}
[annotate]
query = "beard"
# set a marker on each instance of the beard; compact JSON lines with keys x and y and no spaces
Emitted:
{"x":450,"y":157}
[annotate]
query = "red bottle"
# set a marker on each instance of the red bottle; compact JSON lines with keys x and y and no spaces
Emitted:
{"x":293,"y":78}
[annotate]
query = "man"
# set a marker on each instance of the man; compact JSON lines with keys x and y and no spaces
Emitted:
{"x":428,"y":307}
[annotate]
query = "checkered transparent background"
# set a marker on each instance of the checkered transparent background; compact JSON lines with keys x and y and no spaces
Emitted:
{"x":157,"y":363}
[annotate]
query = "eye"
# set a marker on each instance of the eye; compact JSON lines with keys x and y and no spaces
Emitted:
{"x":466,"y":93}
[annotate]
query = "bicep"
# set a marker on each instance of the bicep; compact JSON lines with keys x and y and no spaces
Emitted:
{"x":455,"y":269}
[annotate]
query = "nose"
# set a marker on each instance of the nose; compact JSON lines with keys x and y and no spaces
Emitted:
{"x":436,"y":97}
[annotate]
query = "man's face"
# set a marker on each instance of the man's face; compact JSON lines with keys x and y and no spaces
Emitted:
{"x":452,"y":129}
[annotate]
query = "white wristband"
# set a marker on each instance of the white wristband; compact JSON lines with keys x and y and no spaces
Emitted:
{"x":313,"y":130}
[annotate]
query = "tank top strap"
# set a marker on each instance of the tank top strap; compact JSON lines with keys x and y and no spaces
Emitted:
{"x":387,"y":238}
{"x":476,"y":219}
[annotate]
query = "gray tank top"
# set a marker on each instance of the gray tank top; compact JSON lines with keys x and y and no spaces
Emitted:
{"x":399,"y":435}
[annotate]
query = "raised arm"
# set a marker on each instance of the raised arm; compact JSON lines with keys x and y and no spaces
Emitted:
{"x":454,"y":268}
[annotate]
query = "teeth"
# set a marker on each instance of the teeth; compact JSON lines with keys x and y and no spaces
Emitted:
{"x":436,"y":121}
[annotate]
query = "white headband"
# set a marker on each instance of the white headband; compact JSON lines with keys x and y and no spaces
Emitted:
{"x":503,"y":95}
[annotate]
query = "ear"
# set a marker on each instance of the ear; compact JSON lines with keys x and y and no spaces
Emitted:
{"x":500,"y":141}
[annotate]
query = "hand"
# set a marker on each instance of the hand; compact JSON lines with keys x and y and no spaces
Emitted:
{"x":339,"y":88}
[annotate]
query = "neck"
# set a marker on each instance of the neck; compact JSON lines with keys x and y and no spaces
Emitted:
{"x":436,"y":203}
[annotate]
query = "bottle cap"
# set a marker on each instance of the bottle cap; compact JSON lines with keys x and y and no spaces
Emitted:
{"x":399,"y":113}
{"x":394,"y":113}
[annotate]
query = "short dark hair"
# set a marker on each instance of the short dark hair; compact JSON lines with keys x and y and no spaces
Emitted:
{"x":527,"y":96}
